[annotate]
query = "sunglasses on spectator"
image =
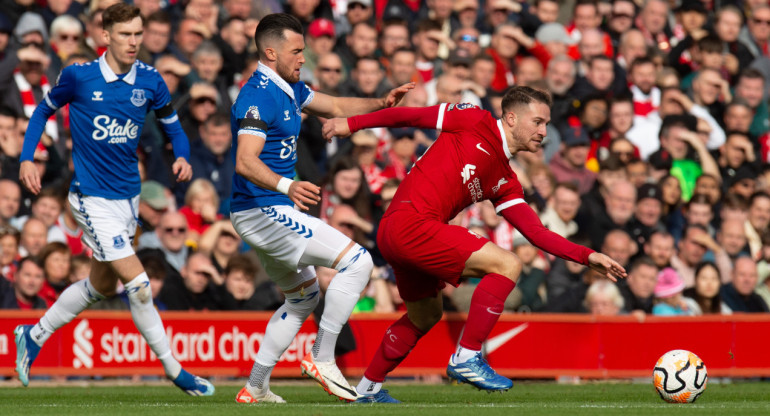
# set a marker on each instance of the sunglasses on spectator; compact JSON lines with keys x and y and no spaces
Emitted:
{"x":469,"y":38}
{"x":171,"y":230}
{"x":327,"y":69}
{"x":760,"y":21}
{"x":69,"y":36}
{"x":201,"y":100}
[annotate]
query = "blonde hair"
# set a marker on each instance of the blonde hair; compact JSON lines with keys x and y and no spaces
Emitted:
{"x":199,"y":186}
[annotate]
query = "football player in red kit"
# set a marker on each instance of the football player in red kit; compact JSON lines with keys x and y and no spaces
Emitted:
{"x":469,"y":162}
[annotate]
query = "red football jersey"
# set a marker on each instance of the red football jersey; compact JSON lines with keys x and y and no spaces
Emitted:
{"x":467,"y":163}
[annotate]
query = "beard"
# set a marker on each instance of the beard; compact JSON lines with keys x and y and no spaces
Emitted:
{"x":287,"y":73}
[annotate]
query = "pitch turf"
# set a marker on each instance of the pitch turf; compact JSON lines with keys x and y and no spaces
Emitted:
{"x":526,"y":398}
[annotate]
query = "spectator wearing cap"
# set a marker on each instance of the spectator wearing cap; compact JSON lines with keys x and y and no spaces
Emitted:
{"x":668,"y":296}
{"x":554,"y":39}
{"x":647,"y":214}
{"x":740,"y":293}
{"x":319,"y":39}
{"x":203,"y":102}
{"x":569,"y":164}
{"x":402,"y":153}
{"x":207,"y":62}
{"x":154,"y":200}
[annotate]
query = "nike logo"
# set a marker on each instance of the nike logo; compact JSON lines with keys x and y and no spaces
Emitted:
{"x":499,"y":340}
{"x":489,"y":309}
{"x":351,"y":391}
{"x":478,"y":146}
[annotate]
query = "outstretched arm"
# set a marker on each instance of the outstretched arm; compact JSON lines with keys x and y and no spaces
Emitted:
{"x":525,"y":220}
{"x":327,"y":106}
{"x":419,"y":117}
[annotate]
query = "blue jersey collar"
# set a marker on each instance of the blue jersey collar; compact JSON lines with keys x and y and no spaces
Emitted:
{"x":280,"y":82}
{"x":109,"y":75}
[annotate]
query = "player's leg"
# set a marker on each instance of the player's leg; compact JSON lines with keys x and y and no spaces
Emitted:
{"x":399,"y":340}
{"x":148,"y":322}
{"x":75,"y":299}
{"x":499,"y":270}
{"x":330,"y":248}
{"x":302,"y":294}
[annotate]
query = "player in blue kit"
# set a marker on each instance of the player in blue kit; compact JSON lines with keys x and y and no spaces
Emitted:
{"x":108,"y":100}
{"x":266,"y":120}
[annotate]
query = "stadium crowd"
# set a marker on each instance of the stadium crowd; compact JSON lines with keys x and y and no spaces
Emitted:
{"x":658,"y":153}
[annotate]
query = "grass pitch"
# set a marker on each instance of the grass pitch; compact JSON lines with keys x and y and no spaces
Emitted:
{"x":526,"y":398}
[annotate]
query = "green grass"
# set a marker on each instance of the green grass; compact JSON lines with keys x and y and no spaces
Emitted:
{"x":526,"y":398}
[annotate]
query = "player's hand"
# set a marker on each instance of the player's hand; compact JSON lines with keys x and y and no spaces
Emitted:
{"x":182,"y":170}
{"x":335,"y":127}
{"x":30,"y":176}
{"x":607,"y":266}
{"x":396,"y":94}
{"x":302,"y":192}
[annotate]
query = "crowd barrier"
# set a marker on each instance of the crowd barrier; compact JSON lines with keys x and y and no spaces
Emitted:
{"x":520,"y":346}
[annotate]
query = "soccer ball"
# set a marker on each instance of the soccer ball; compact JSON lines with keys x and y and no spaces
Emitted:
{"x":679,"y":376}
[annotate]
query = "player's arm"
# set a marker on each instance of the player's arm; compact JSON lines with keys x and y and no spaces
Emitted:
{"x":58,"y":96}
{"x":169,"y":121}
{"x":327,"y":106}
{"x":250,"y":166}
{"x":520,"y":215}
{"x":419,"y":117}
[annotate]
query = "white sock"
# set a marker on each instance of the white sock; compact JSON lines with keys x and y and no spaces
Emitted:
{"x":147,"y":321}
{"x":75,"y":299}
{"x":463,"y":354}
{"x":343,"y":293}
{"x":283,"y":327}
{"x":368,"y":387}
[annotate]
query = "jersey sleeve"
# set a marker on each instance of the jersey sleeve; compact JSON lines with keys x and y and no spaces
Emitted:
{"x":305,"y":95}
{"x":253,"y":116}
{"x":455,"y":117}
{"x":169,"y":120}
{"x":65,"y":88}
{"x":510,"y":194}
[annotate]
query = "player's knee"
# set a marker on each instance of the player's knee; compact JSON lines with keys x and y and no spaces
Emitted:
{"x":426,"y":319}
{"x":357,"y":266}
{"x":508,"y":265}
{"x":138,"y":290}
{"x":304,"y":302}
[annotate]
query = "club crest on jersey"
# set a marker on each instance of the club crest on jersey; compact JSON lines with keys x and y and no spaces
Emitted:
{"x":138,"y":98}
{"x":286,"y":115}
{"x":118,"y":242}
{"x":460,"y":106}
{"x":252,"y":113}
{"x":500,"y":183}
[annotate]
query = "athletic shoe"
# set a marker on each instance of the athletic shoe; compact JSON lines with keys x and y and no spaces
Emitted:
{"x":329,"y":377}
{"x":245,"y":396}
{"x":26,"y":352}
{"x":477,"y":372}
{"x":194,"y":385}
{"x":381,"y":396}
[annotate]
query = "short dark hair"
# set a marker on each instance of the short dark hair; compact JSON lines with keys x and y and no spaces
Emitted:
{"x":217,"y":119}
{"x":119,"y":13}
{"x":758,"y":195}
{"x":521,"y":95}
{"x":642,"y":60}
{"x":158,"y":17}
{"x":677,"y":120}
{"x":751,"y":73}
{"x":612,"y":163}
{"x":6,"y":111}
{"x":426,"y":25}
{"x":642,"y":261}
{"x":244,"y":264}
{"x":271,"y":28}
{"x":31,"y":259}
{"x":710,"y":43}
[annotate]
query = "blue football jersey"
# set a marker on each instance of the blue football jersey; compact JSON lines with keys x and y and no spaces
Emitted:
{"x":271,"y":109}
{"x":107,"y":113}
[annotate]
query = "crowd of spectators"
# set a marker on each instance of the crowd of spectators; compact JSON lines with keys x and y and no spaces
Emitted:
{"x":658,"y":153}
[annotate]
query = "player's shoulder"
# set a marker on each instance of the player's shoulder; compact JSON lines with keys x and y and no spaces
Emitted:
{"x":80,"y":70}
{"x":146,"y":71}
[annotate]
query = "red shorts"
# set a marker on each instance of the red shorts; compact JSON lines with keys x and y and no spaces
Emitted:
{"x":425,"y":253}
